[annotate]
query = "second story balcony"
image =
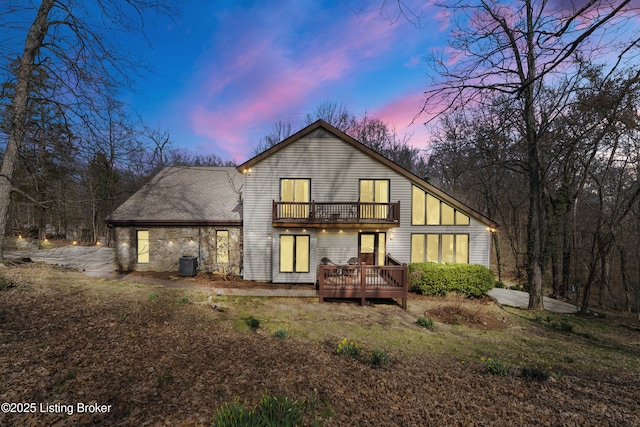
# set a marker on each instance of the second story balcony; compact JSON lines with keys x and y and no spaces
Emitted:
{"x":322,"y":214}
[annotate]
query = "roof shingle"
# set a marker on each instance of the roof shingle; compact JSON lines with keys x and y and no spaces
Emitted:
{"x":185,"y":195}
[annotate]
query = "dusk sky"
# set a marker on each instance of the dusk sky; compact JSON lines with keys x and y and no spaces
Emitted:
{"x":226,"y":71}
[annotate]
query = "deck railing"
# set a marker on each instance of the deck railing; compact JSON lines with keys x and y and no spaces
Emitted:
{"x":336,"y":212}
{"x":363,"y":281}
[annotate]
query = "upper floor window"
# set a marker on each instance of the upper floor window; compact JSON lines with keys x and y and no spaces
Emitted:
{"x":297,"y":192}
{"x":374,"y":191}
{"x":429,"y":210}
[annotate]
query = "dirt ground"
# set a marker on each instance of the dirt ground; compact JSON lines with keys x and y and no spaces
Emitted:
{"x":153,"y":357}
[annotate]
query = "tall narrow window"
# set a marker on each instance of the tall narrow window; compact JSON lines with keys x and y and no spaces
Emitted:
{"x":294,"y":254}
{"x":433,"y":210}
{"x":374,"y":191}
{"x":222,"y":246}
{"x":417,"y":248}
{"x":447,"y":252}
{"x":418,"y":204}
{"x":462,"y":248}
{"x":296,"y":194}
{"x":143,"y":246}
{"x":433,"y":248}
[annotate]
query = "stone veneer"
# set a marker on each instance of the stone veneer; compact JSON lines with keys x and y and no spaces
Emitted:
{"x":168,"y":244}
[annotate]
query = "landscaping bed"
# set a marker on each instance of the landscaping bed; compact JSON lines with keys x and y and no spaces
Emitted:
{"x":165,"y":356}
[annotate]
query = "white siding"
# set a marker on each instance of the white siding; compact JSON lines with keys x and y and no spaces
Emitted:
{"x":335,"y":169}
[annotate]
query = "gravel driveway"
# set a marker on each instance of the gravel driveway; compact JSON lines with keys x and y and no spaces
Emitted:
{"x":90,"y":259}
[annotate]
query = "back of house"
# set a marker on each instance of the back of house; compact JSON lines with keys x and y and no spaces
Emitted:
{"x":322,"y":197}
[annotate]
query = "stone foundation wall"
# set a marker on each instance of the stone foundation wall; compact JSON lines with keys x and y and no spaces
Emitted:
{"x":168,"y":244}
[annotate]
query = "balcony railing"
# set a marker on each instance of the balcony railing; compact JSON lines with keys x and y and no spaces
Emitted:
{"x":336,"y":213}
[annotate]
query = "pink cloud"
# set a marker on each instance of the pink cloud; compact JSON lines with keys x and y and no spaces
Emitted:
{"x":404,"y":115}
{"x":259,"y":77}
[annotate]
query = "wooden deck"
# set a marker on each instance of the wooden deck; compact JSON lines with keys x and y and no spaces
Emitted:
{"x":363,"y":281}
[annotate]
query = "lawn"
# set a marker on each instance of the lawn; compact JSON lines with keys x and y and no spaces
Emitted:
{"x":85,"y":351}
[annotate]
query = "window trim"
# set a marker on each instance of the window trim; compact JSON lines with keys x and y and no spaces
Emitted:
{"x":295,"y":254}
{"x":388,"y":181}
{"x":138,"y":251}
{"x":425,"y":210}
{"x":218,"y":235}
{"x":294,"y":191}
{"x":454,"y":250}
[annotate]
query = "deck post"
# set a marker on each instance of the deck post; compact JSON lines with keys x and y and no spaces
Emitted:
{"x":363,"y":284}
{"x":405,"y":285}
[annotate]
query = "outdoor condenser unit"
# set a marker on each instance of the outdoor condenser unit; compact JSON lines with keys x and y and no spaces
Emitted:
{"x":188,"y":266}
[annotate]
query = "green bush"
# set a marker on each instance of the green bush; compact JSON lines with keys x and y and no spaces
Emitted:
{"x":379,"y":358}
{"x":426,"y":323}
{"x":280,"y":333}
{"x":496,"y":366}
{"x":252,"y":322}
{"x":436,"y":279}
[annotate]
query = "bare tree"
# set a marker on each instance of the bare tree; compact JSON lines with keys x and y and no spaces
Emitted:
{"x":74,"y":43}
{"x":515,"y":49}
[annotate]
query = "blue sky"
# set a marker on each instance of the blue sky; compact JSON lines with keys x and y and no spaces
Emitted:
{"x":225,"y":72}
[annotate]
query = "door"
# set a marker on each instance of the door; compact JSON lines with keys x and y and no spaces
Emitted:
{"x":372,"y":248}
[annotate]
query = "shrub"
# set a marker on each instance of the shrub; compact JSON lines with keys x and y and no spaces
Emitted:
{"x":280,"y":333}
{"x":379,"y":358}
{"x":495,"y":366}
{"x":436,"y":279}
{"x":427,"y":323}
{"x":252,"y":322}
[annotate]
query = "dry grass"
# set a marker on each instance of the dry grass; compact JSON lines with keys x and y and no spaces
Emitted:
{"x":171,"y":356}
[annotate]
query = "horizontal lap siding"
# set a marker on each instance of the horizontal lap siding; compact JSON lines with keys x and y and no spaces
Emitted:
{"x":337,"y":246}
{"x":335,"y":169}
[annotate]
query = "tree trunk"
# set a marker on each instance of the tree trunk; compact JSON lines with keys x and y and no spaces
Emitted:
{"x":19,"y":107}
{"x":566,"y":250}
{"x":536,"y":208}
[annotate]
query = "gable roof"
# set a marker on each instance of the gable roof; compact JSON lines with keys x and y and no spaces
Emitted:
{"x":185,"y":196}
{"x":320,"y":126}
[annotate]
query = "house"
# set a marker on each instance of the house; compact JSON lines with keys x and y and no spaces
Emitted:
{"x":181,"y":212}
{"x":318,"y":197}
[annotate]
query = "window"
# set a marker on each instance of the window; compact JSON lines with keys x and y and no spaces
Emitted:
{"x":429,"y":210}
{"x":374,"y":191}
{"x":222,"y":246}
{"x":295,"y":191}
{"x":294,"y":254}
{"x":450,"y":248}
{"x":143,"y":246}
